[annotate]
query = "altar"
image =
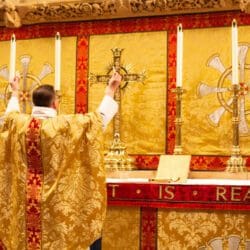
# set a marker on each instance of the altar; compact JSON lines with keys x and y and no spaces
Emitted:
{"x":200,"y":214}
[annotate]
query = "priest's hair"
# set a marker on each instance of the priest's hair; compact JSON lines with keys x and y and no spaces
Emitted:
{"x":43,"y":96}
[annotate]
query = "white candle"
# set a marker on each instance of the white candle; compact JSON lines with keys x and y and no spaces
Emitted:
{"x":235,"y":77}
{"x":12,"y":66}
{"x":179,"y":58}
{"x":57,"y":61}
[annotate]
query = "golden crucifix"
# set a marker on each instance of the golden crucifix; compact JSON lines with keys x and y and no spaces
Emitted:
{"x":117,"y":157}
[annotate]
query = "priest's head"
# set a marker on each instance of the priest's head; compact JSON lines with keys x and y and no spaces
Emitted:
{"x":45,"y":96}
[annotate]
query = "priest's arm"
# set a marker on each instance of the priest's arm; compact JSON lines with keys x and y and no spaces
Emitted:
{"x":13,"y":104}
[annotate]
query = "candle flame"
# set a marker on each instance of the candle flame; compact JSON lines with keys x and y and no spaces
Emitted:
{"x":13,"y":37}
{"x":58,"y":36}
{"x":180,"y":27}
{"x":234,"y":22}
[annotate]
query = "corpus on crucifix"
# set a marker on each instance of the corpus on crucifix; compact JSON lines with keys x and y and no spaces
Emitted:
{"x":117,"y":157}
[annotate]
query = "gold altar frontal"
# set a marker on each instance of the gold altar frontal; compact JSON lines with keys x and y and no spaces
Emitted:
{"x":176,"y":229}
{"x":139,"y":217}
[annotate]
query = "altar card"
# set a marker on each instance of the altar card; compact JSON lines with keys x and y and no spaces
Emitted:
{"x":173,"y":168}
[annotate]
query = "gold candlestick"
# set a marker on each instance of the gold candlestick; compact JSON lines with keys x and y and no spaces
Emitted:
{"x":236,"y":163}
{"x":178,"y":121}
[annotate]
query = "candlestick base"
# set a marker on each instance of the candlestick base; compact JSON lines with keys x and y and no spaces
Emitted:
{"x":117,"y":157}
{"x":236,"y":164}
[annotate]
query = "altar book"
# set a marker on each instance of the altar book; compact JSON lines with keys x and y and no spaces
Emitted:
{"x":173,"y":168}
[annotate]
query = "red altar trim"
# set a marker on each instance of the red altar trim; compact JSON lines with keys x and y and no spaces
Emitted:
{"x":179,"y":196}
{"x":146,"y":161}
{"x":198,"y":162}
{"x":34,"y":186}
{"x":148,"y":236}
{"x":168,"y":23}
{"x":209,"y":162}
{"x":82,"y":75}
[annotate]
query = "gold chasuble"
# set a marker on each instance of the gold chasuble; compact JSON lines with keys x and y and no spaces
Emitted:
{"x":52,"y":182}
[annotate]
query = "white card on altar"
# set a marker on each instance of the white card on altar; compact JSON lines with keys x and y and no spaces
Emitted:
{"x":173,"y":168}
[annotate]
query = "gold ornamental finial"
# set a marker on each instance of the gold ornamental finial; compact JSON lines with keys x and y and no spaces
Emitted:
{"x":117,"y":52}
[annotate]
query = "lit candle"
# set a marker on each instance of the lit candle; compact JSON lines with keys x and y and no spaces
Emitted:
{"x":12,"y":66}
{"x":57,"y":61}
{"x":235,"y":78}
{"x":179,"y":56}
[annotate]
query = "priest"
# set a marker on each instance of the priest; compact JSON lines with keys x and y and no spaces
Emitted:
{"x":52,"y":177}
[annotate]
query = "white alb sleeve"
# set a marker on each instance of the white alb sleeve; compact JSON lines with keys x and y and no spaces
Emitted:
{"x":108,"y":108}
{"x":13,"y":105}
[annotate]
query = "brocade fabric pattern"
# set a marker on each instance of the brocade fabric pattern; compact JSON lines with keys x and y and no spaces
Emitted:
{"x":73,"y":205}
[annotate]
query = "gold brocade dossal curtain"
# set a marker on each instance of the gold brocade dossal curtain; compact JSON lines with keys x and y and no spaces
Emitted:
{"x":207,"y":124}
{"x":143,"y":105}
